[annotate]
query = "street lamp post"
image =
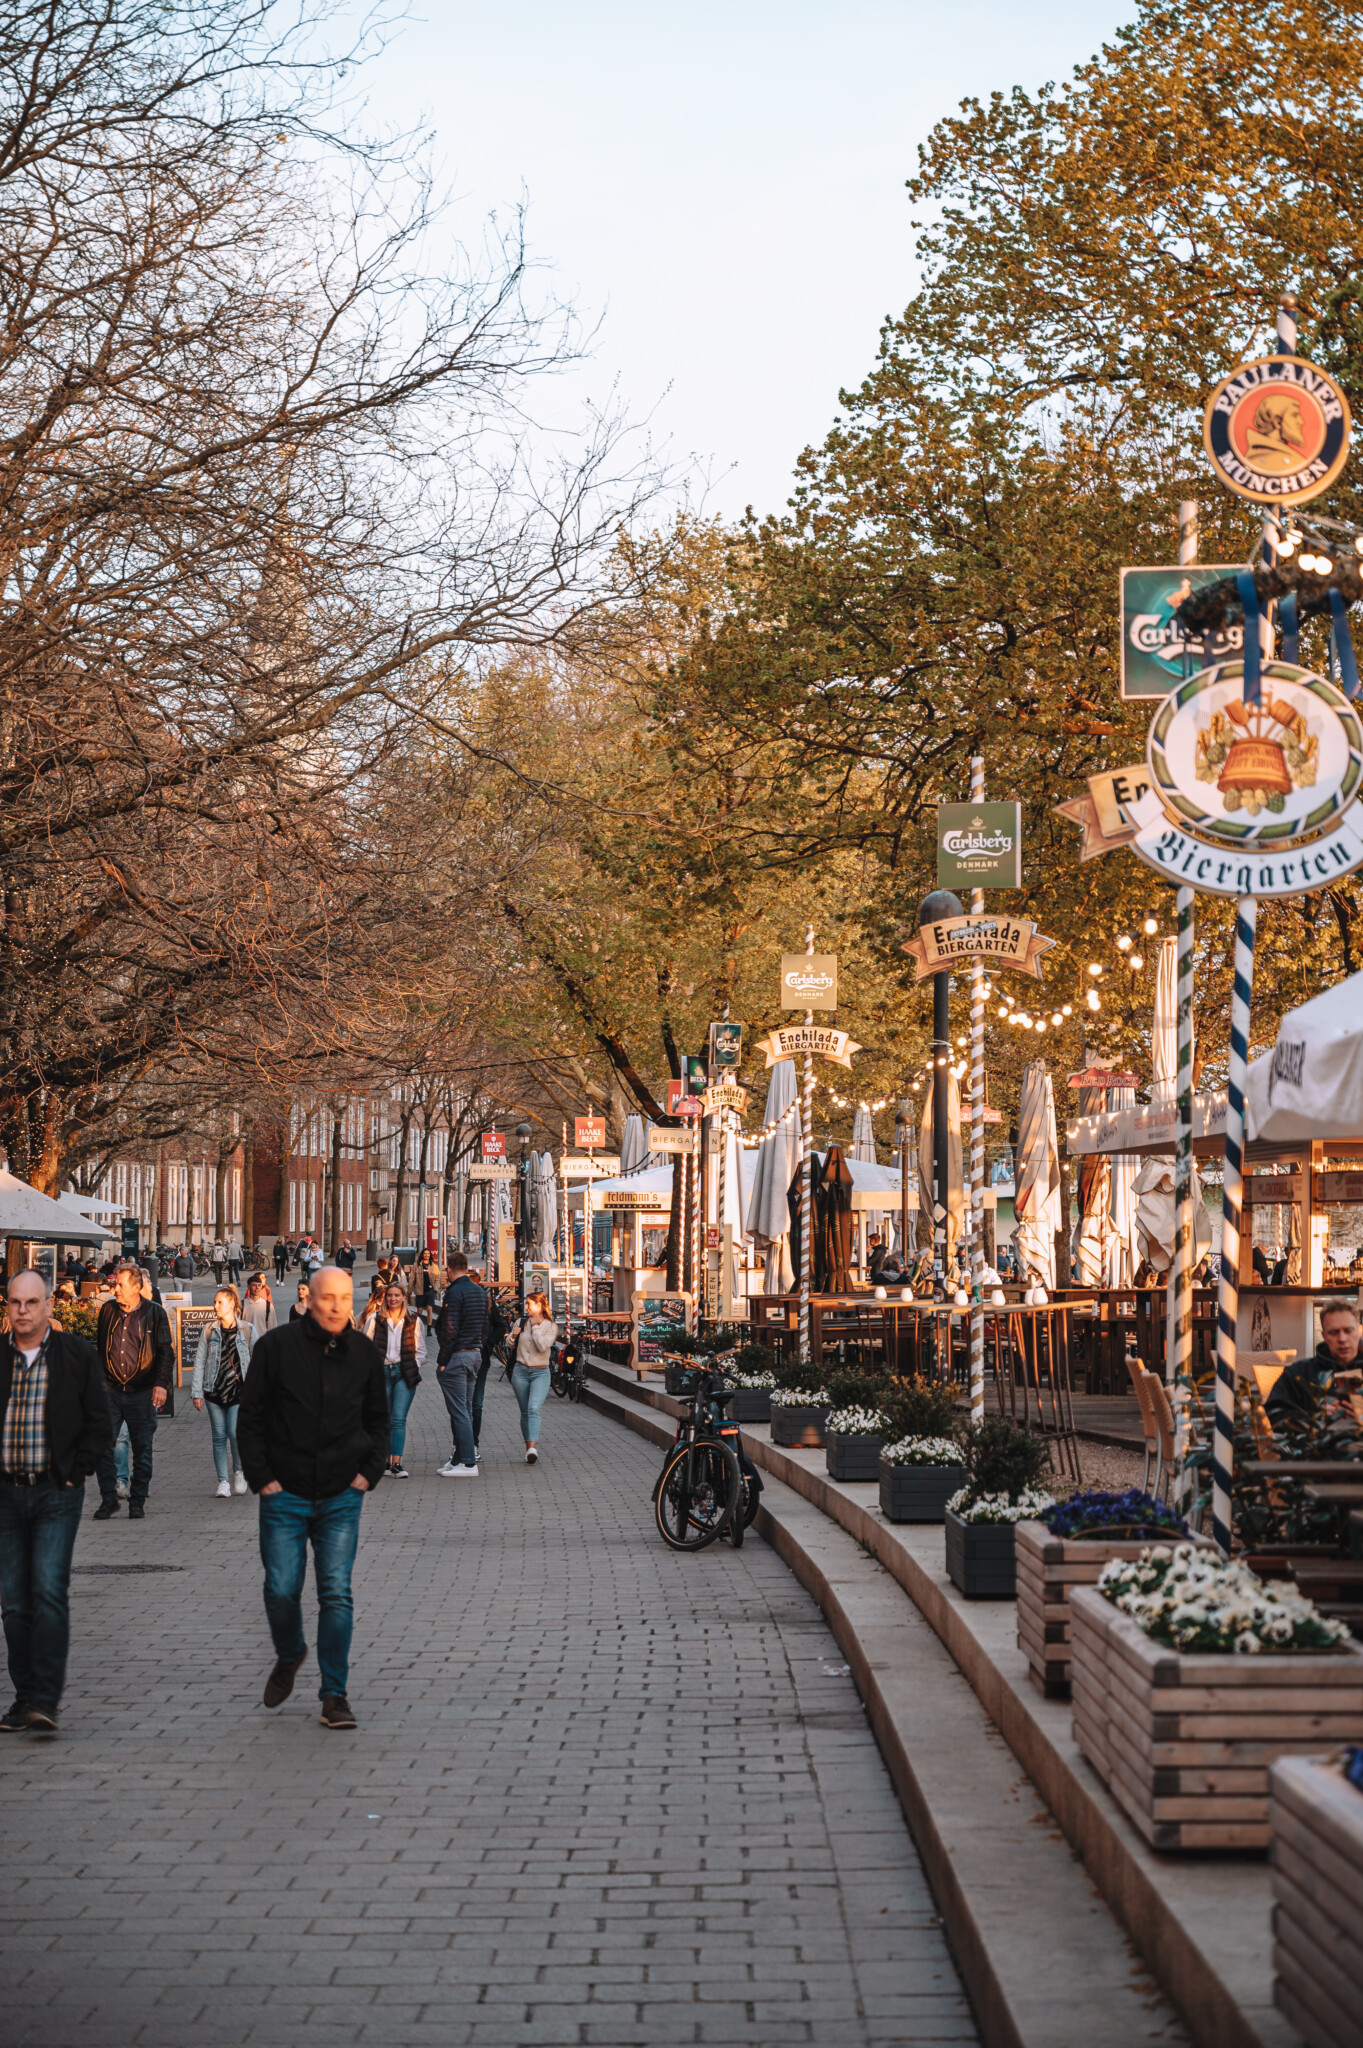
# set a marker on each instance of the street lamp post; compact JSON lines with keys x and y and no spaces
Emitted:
{"x":940,"y":904}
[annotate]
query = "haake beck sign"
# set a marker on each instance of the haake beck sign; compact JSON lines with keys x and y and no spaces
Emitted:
{"x":979,"y":846}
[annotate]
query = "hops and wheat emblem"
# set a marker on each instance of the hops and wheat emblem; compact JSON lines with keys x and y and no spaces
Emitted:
{"x":1257,"y":754}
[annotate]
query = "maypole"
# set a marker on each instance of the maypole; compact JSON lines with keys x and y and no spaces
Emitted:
{"x":977,"y":1139}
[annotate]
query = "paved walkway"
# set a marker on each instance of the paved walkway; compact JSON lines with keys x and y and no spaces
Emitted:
{"x":600,"y":1793}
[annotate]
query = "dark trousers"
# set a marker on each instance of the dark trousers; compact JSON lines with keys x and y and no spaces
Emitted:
{"x":38,"y":1527}
{"x":134,"y":1408}
{"x":479,"y":1389}
{"x":281,"y":1262}
{"x":288,"y":1523}
{"x":456,"y":1378}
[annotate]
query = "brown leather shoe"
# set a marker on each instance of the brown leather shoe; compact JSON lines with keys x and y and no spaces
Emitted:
{"x":336,"y":1711}
{"x":279,"y":1684}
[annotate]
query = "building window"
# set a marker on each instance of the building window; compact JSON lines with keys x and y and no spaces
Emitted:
{"x":293,"y":1207}
{"x":236,"y":1194}
{"x":312,"y":1206}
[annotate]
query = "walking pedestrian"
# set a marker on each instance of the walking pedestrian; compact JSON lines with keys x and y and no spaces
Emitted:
{"x":183,"y":1265}
{"x":258,"y":1308}
{"x":281,"y":1258}
{"x":219,"y":1376}
{"x":134,"y":1344}
{"x":398,"y":1336}
{"x":460,"y":1328}
{"x":535,"y":1335}
{"x":236,"y":1258}
{"x":314,"y":1440}
{"x":300,"y":1307}
{"x":217,"y":1259}
{"x":425,"y":1285}
{"x":54,"y":1428}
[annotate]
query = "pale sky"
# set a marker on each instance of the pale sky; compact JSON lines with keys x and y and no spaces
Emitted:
{"x":721,"y":185}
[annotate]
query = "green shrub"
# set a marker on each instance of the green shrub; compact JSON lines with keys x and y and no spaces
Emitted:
{"x":855,"y":1390}
{"x":78,"y":1318}
{"x":797,"y":1378}
{"x":919,"y":1407}
{"x":1003,"y":1458}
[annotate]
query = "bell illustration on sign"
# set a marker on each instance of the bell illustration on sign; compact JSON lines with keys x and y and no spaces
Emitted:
{"x":1277,"y":430}
{"x":1266,"y":775}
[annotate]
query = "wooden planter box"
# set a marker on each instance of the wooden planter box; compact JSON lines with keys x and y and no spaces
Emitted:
{"x":1316,"y":1817}
{"x":797,"y":1429}
{"x":980,"y":1557}
{"x":1183,"y":1740}
{"x":1049,"y":1568}
{"x":853,"y":1459}
{"x":918,"y":1493}
{"x":751,"y":1404}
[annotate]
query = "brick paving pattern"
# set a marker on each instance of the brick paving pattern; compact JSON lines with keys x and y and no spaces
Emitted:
{"x":600,"y":1793}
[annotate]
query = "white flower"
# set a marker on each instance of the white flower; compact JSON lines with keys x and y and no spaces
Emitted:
{"x":923,"y":1450}
{"x":996,"y":1507}
{"x":786,"y":1397}
{"x":854,"y":1422}
{"x":1197,"y":1600}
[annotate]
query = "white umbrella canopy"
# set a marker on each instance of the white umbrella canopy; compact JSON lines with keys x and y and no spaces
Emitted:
{"x":863,"y":1144}
{"x":1311,"y":1084}
{"x":543,"y":1207}
{"x":1153,"y":1189}
{"x":634,"y":1144}
{"x":1164,"y":1031}
{"x":778,"y":1154}
{"x":26,"y":1213}
{"x":1037,"y":1202}
{"x":1121,"y":1207}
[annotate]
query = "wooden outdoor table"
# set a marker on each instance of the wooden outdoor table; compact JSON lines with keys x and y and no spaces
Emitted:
{"x":1331,"y":1494}
{"x":1301,"y":1468}
{"x":1031,"y":1355}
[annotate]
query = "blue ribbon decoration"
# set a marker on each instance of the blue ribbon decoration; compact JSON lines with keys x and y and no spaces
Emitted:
{"x":1289,"y":618}
{"x":1341,"y":641}
{"x":1249,"y":598}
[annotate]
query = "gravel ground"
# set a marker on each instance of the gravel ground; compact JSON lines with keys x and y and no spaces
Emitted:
{"x":1107,"y":1466}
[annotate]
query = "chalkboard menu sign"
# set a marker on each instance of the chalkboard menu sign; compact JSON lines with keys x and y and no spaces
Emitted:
{"x":658,"y":1319}
{"x":187,"y":1324}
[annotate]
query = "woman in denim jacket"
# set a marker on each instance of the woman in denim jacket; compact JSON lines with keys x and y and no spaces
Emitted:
{"x":219,"y":1375}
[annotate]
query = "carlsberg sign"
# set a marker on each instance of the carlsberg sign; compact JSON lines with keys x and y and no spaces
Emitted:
{"x":979,"y":846}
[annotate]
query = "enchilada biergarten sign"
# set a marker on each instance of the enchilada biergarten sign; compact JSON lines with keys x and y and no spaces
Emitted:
{"x":788,"y":1039}
{"x":1011,"y":942}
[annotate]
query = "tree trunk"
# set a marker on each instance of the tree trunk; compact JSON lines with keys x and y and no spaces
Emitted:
{"x":401,"y":1189}
{"x":421,"y":1197}
{"x":248,"y":1199}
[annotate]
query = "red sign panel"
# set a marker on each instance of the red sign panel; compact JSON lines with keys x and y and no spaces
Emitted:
{"x":494,"y":1145}
{"x":675,"y":1092}
{"x":687,"y":1106}
{"x":589,"y":1131}
{"x":712,"y":1237}
{"x":433,"y":1236}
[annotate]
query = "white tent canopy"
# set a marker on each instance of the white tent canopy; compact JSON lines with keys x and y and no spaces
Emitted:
{"x":26,"y":1213}
{"x":1311,"y":1084}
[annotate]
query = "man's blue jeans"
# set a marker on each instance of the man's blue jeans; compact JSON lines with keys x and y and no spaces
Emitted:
{"x":133,"y":1407}
{"x":38,"y":1527}
{"x":457,"y":1377}
{"x":287,"y":1524}
{"x":400,"y":1397}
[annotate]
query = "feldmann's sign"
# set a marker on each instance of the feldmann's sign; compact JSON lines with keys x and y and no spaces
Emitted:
{"x":979,"y":845}
{"x":809,"y":981}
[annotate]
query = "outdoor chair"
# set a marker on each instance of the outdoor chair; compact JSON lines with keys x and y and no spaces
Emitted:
{"x":1139,"y":1377}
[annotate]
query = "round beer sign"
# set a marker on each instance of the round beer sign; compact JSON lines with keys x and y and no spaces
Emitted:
{"x":1256,"y":775}
{"x":1277,"y":431}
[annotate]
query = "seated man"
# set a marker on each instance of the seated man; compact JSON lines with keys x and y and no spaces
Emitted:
{"x":1336,"y":1353}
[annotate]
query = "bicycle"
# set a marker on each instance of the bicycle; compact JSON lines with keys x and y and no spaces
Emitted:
{"x":708,"y":1487}
{"x":568,"y":1368}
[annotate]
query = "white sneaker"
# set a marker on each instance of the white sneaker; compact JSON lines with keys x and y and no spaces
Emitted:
{"x":122,"y":1489}
{"x":532,"y":1456}
{"x":224,"y":1490}
{"x":449,"y":1468}
{"x":239,"y":1484}
{"x":463,"y":1472}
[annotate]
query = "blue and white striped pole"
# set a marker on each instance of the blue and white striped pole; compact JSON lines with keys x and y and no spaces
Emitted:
{"x":1228,"y":1303}
{"x":1179,"y":1362}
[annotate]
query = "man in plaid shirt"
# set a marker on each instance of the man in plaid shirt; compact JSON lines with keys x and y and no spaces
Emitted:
{"x":54,"y":1424}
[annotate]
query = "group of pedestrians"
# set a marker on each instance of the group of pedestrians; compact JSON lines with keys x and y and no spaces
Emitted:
{"x":308,"y":1414}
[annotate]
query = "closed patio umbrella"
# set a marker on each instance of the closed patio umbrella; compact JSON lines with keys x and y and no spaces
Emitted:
{"x":1121,"y":1204}
{"x":778,"y":1155}
{"x":1164,"y":1032}
{"x":863,"y":1144}
{"x":544,"y":1206}
{"x":634,"y":1144}
{"x":1153,"y":1189}
{"x":833,"y":1243}
{"x":1037,"y":1201}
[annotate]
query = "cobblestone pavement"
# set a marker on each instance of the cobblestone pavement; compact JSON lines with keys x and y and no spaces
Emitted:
{"x":599,"y":1793}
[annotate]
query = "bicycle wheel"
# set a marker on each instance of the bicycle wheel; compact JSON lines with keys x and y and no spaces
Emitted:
{"x":557,"y":1382}
{"x":696,"y":1495}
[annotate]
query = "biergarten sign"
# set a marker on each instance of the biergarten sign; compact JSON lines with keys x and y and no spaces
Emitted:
{"x":666,"y":1138}
{"x":979,"y":846}
{"x":725,"y":1095}
{"x":491,"y":1169}
{"x":1181,"y":856}
{"x":602,"y":1167}
{"x":1277,"y":430}
{"x":809,"y":981}
{"x":788,"y":1039}
{"x":1012,"y":942}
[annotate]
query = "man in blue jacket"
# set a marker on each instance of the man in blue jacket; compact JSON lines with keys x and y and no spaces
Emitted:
{"x":460,"y":1328}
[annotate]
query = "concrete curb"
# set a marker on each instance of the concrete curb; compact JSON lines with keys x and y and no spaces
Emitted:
{"x":1008,"y":1888}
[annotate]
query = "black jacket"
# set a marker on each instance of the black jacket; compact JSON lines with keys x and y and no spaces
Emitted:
{"x":1293,"y":1390}
{"x":79,"y":1425}
{"x":462,"y":1322}
{"x":158,"y":1348}
{"x":314,"y":1413}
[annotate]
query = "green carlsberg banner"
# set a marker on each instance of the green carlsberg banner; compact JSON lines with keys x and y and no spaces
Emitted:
{"x":979,"y":846}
